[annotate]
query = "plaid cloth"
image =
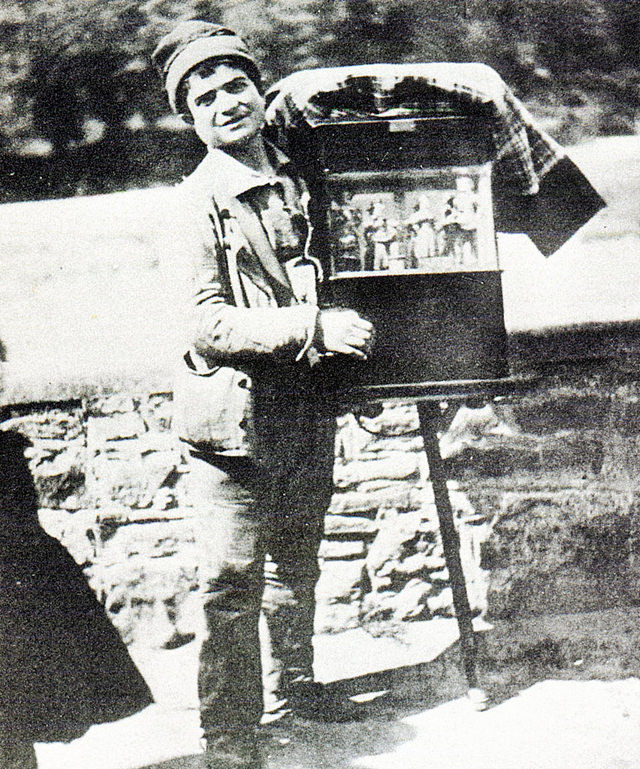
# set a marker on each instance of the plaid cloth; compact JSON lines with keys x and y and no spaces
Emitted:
{"x":524,"y":153}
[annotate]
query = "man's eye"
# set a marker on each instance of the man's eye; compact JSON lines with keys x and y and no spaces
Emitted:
{"x":236,"y":86}
{"x":206,"y":100}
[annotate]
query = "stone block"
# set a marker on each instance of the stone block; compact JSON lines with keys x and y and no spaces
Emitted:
{"x":142,"y":481}
{"x":588,"y":502}
{"x":121,"y":483}
{"x":395,"y":606}
{"x":626,"y":416}
{"x":572,"y":453}
{"x":333,"y":550}
{"x":157,"y":411}
{"x":58,"y":469}
{"x":378,"y":606}
{"x":413,"y":566}
{"x":406,"y":444}
{"x":158,"y":442}
{"x":411,"y":603}
{"x":548,"y":412}
{"x":567,"y":590}
{"x":114,"y":427}
{"x":336,"y":617}
{"x":439,"y":576}
{"x":56,"y":457}
{"x":369,"y":499}
{"x":496,"y":458}
{"x":441,"y":604}
{"x":621,"y":460}
{"x":474,"y":428}
{"x":339,"y":581}
{"x":552,"y":554}
{"x":397,"y":419}
{"x":435,"y":562}
{"x":151,"y":540}
{"x":395,"y":466}
{"x":349,"y":526}
{"x":49,"y":424}
{"x":522,"y":530}
{"x":75,"y":530}
{"x":151,"y":600}
{"x":151,"y":621}
{"x":116,"y":403}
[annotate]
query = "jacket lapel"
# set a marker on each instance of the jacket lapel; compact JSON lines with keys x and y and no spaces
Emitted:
{"x":261,"y":258}
{"x":251,"y":226}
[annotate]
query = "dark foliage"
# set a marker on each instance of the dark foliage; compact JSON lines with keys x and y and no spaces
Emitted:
{"x":77,"y":73}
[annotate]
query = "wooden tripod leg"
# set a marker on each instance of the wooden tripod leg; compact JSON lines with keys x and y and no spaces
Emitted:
{"x":428,"y":412}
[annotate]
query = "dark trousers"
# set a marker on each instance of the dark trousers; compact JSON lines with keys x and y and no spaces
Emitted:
{"x":246,"y":511}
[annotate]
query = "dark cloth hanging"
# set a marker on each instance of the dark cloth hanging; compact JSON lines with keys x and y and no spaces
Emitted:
{"x":63,"y":665}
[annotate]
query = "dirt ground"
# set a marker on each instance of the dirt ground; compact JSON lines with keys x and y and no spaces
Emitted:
{"x":564,"y":693}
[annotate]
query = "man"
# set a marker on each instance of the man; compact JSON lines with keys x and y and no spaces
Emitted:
{"x":260,"y":431}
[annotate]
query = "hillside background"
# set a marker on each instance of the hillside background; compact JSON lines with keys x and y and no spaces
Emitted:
{"x":83,"y":111}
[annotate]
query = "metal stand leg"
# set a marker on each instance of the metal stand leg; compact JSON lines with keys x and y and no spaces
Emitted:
{"x":428,"y":412}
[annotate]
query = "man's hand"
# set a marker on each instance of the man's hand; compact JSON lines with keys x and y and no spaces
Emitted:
{"x":344,"y":331}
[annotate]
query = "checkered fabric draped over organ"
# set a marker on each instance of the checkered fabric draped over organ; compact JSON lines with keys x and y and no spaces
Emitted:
{"x":413,"y":168}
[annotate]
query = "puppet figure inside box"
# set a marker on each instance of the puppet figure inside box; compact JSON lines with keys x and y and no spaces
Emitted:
{"x":430,"y":221}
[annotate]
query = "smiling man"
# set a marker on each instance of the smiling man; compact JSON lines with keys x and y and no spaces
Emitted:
{"x":225,"y":106}
{"x":257,"y":428}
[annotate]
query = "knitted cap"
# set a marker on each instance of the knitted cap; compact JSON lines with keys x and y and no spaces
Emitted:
{"x":190,"y":43}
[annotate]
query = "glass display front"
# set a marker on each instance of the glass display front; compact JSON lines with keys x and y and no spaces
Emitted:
{"x":428,"y":221}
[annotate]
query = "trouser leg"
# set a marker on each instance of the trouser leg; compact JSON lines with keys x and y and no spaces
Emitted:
{"x":289,"y":599}
{"x":231,"y":572}
{"x":297,"y":511}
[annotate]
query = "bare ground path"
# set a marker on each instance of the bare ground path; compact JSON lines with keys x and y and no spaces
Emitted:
{"x":574,"y":714}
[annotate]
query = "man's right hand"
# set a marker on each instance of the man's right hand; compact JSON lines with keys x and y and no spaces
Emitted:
{"x":344,"y":331}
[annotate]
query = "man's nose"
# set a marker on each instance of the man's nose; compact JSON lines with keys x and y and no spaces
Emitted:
{"x":226,"y":102}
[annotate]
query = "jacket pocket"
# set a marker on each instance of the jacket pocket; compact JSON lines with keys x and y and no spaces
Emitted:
{"x":214,"y":408}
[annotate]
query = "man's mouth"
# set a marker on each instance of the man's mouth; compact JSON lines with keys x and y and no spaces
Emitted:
{"x":234,"y":121}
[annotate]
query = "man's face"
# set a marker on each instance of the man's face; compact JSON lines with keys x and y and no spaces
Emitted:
{"x":226,"y":107}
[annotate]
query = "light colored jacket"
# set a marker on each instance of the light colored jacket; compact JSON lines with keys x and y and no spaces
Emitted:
{"x":246,"y":383}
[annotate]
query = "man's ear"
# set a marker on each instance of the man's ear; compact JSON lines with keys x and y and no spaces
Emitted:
{"x":186,"y":118}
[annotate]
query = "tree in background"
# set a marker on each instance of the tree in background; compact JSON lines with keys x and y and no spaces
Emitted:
{"x":574,"y":60}
{"x":14,"y":69}
{"x":77,"y":71}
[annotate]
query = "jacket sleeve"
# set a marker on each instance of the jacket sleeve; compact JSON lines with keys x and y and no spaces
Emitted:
{"x":217,"y":330}
{"x":223,"y":331}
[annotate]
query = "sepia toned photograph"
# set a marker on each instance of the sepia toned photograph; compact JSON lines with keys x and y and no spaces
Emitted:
{"x":319,"y":384}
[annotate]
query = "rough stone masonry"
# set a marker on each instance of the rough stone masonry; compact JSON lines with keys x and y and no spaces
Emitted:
{"x":543,"y":485}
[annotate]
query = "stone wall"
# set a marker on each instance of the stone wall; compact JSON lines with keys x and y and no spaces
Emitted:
{"x":109,"y":473}
{"x":543,"y":482}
